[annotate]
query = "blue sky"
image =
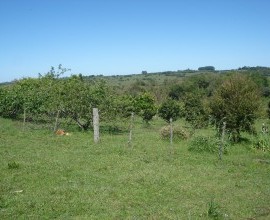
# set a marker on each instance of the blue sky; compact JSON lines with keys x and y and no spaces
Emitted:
{"x":112,"y":37}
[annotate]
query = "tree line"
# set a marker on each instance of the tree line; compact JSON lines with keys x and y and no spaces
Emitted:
{"x":201,"y":100}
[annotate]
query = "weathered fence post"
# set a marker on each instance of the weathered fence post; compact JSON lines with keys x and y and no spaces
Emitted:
{"x":24,"y":117}
{"x":264,"y":128}
{"x":130,"y":129}
{"x":96,"y":125}
{"x":171,"y":131}
{"x":221,"y":146}
{"x":56,"y":121}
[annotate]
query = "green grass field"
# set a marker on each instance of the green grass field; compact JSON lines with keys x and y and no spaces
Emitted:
{"x":44,"y":176}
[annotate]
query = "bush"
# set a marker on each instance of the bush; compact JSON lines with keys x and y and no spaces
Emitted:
{"x":206,"y":144}
{"x":194,"y":111}
{"x":262,"y":143}
{"x":179,"y":133}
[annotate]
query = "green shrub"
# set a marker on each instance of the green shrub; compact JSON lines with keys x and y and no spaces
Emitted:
{"x":206,"y":144}
{"x":179,"y":133}
{"x":262,"y":143}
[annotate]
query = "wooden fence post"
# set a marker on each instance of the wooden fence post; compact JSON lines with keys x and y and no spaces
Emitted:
{"x":96,"y":125}
{"x":24,"y":117}
{"x":130,"y":129}
{"x":171,"y":131}
{"x":56,"y":121}
{"x":221,"y":146}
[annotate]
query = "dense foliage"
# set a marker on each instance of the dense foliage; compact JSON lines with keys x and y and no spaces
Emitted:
{"x":235,"y":102}
{"x":49,"y":96}
{"x":145,"y":106}
{"x":194,"y":110}
{"x":169,"y":109}
{"x":195,"y":96}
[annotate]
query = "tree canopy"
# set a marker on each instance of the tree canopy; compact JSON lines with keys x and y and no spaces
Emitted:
{"x":235,"y":102}
{"x":206,"y":68}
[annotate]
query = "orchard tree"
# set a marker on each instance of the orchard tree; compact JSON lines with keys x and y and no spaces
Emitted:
{"x":11,"y":104}
{"x":53,"y":89}
{"x":145,"y":106}
{"x":194,"y":110}
{"x":169,"y":109}
{"x":29,"y":91}
{"x":77,"y":99}
{"x":76,"y":102}
{"x":20,"y":97}
{"x":124,"y":105}
{"x":235,"y":102}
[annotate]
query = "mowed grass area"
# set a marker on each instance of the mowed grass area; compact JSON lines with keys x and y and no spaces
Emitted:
{"x":43,"y":176}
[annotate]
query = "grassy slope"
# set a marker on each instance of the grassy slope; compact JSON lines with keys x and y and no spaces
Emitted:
{"x":70,"y":177}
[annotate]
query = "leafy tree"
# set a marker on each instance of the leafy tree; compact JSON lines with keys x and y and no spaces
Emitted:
{"x":235,"y":102}
{"x":77,"y":102}
{"x":177,"y":92}
{"x":261,"y":81}
{"x":10,"y":102}
{"x":124,"y":105}
{"x":169,"y":109}
{"x":29,"y":91}
{"x":194,"y":110}
{"x":49,"y":95}
{"x":74,"y":98}
{"x":79,"y":98}
{"x":145,"y":106}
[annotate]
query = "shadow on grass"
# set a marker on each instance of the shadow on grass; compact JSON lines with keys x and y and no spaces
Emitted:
{"x":113,"y":129}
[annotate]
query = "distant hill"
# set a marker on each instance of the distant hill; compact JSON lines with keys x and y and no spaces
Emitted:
{"x":5,"y":83}
{"x":160,"y":77}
